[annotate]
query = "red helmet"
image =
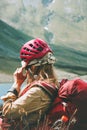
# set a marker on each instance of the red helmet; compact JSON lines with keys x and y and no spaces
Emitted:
{"x":34,"y":49}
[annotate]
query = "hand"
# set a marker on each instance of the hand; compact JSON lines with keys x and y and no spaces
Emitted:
{"x":19,"y":76}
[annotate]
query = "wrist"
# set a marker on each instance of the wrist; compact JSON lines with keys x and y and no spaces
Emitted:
{"x":14,"y":91}
{"x":16,"y":86}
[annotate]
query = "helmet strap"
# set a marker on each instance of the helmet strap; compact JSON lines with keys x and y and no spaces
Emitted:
{"x":32,"y":75}
{"x":30,"y":71}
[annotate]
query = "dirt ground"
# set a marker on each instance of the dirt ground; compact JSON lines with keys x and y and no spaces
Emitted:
{"x":5,"y":78}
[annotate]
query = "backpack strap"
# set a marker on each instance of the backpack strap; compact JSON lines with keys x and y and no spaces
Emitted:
{"x":49,"y":89}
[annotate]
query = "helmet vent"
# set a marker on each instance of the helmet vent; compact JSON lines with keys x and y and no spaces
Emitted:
{"x":30,"y":45}
{"x":40,"y":49}
{"x":23,"y":54}
{"x":34,"y":47}
{"x":36,"y":43}
{"x":26,"y":49}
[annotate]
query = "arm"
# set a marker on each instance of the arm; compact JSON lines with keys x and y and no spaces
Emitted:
{"x":33,"y":100}
{"x":12,"y":94}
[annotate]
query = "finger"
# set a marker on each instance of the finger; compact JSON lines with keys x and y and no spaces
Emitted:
{"x":19,"y":70}
{"x":16,"y":72}
{"x":24,"y":64}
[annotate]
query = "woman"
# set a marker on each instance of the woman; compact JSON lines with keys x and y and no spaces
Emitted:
{"x":35,"y":98}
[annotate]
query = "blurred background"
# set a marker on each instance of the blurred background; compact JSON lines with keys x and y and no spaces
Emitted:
{"x":61,"y":23}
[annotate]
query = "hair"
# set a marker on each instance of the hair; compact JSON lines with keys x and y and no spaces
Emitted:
{"x":46,"y":72}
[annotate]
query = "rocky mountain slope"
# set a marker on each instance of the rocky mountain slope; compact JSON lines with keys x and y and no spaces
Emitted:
{"x":11,"y":40}
{"x":57,"y":21}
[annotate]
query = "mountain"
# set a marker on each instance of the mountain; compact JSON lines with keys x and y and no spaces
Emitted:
{"x":11,"y":40}
{"x":57,"y":21}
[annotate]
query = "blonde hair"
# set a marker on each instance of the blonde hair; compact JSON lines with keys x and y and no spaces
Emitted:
{"x":46,"y":72}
